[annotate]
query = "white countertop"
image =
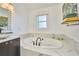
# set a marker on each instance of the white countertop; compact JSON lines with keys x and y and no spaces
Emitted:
{"x":11,"y":37}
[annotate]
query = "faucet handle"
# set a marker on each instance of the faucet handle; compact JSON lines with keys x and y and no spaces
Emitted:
{"x":33,"y":42}
{"x":42,"y":39}
{"x":39,"y":43}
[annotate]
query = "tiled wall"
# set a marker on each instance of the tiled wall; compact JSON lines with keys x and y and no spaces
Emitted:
{"x":46,"y":35}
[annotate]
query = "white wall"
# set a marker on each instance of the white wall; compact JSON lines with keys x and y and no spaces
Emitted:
{"x":54,"y":22}
{"x":23,"y":21}
{"x":20,"y":19}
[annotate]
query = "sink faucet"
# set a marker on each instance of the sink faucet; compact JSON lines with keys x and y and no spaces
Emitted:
{"x":39,"y":38}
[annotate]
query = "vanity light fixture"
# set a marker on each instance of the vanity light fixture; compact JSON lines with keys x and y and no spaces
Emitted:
{"x":7,"y":6}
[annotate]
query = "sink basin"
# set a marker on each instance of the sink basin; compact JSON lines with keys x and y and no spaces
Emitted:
{"x":46,"y":43}
{"x":4,"y":36}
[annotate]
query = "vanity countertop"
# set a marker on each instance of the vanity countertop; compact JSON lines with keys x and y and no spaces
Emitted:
{"x":11,"y":37}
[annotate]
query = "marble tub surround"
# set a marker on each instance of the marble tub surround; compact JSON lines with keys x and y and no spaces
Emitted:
{"x":70,"y":47}
{"x":38,"y":35}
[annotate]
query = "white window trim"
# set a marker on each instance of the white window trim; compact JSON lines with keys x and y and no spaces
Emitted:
{"x":42,"y":21}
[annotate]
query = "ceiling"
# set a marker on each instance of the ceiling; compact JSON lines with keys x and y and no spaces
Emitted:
{"x":34,"y":6}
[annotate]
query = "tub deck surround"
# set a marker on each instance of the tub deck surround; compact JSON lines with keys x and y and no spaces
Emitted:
{"x":70,"y":47}
{"x":37,"y":35}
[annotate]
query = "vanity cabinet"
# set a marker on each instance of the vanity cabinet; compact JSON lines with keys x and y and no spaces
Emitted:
{"x":10,"y":48}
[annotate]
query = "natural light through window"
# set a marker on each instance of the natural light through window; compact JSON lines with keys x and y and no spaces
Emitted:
{"x":42,"y":21}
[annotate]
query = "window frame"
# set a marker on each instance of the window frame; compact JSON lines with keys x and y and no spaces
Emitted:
{"x":42,"y":21}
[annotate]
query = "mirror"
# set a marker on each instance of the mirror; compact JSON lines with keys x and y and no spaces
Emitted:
{"x":5,"y":20}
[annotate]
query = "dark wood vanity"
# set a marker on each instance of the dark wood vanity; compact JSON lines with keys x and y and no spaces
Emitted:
{"x":10,"y":48}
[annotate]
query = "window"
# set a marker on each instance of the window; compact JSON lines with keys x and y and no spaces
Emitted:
{"x":42,"y":21}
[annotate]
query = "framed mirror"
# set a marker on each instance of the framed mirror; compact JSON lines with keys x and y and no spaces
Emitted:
{"x":5,"y":20}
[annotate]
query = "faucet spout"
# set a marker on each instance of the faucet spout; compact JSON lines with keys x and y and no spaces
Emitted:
{"x":39,"y":38}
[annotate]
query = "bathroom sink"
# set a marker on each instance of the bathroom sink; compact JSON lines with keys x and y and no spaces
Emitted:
{"x":4,"y":36}
{"x":45,"y":43}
